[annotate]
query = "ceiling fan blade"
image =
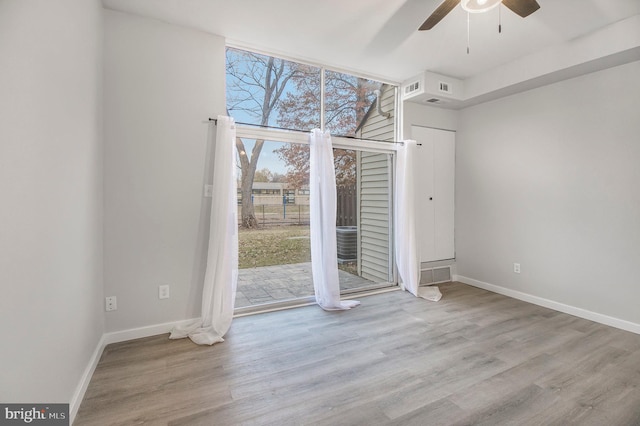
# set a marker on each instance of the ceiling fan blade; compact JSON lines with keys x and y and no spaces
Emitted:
{"x":523,"y":8}
{"x":442,"y":11}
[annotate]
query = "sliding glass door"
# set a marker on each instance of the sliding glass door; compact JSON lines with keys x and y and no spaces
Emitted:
{"x":364,"y":220}
{"x":274,"y":255}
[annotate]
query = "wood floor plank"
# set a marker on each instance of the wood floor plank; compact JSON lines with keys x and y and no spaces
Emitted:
{"x":475,"y":357}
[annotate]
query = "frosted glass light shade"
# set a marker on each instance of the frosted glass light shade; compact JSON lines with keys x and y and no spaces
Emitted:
{"x":479,"y":6}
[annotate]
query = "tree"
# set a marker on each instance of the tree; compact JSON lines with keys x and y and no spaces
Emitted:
{"x":278,"y":178}
{"x":346,"y":101}
{"x":263,"y":175}
{"x":296,"y":156}
{"x":255,"y":87}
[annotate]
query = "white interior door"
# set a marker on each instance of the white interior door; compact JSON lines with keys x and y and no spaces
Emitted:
{"x":425,"y":191}
{"x":435,"y":177}
{"x":444,"y":194}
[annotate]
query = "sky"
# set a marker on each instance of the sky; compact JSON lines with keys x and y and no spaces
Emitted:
{"x":268,"y":159}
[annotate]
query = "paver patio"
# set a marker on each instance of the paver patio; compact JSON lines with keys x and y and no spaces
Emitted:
{"x":268,"y":284}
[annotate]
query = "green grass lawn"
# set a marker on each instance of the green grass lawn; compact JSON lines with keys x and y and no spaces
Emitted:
{"x":280,"y":245}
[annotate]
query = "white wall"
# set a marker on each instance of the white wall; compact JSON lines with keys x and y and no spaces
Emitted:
{"x":51,"y":189}
{"x":161,"y":83}
{"x":549,"y":178}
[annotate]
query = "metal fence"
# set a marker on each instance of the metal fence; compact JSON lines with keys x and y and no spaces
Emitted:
{"x":286,"y":213}
{"x":278,"y":215}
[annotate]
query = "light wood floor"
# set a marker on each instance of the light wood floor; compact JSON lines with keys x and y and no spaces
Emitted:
{"x":474,"y":358}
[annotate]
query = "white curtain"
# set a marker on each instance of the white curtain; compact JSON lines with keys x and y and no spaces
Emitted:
{"x":324,"y":257}
{"x":406,"y":244}
{"x":407,"y":254}
{"x":221,"y":277}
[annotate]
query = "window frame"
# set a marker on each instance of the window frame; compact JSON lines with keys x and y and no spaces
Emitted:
{"x":256,"y":132}
{"x":398,"y":113}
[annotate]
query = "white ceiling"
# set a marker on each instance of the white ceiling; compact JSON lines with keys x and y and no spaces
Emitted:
{"x":380,"y":37}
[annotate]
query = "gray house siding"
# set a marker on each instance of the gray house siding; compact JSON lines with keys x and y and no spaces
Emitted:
{"x":374,"y":179}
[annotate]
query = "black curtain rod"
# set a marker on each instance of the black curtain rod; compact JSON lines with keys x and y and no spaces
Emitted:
{"x":215,"y":121}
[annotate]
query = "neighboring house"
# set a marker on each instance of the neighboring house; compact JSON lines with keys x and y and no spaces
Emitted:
{"x":277,"y":193}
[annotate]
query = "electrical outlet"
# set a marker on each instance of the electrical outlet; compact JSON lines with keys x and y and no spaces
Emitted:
{"x":111,"y":304}
{"x":516,"y":268}
{"x":163,"y":291}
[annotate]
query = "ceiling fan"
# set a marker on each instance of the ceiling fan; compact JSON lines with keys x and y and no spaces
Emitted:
{"x":523,"y":8}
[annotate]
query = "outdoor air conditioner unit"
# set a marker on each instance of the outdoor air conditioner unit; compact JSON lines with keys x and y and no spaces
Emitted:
{"x":347,"y":240}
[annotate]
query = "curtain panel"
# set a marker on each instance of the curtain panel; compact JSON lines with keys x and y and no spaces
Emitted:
{"x":221,"y":277}
{"x":324,"y":257}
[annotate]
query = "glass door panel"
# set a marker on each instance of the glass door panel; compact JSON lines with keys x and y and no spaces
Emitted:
{"x":274,"y":254}
{"x":364,"y":211}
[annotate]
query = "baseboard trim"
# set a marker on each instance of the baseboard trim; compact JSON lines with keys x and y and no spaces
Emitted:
{"x":81,"y":389}
{"x":106,"y":339}
{"x":561,"y":307}
{"x":140,"y":332}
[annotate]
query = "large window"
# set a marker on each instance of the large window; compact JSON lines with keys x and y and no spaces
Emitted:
{"x":273,"y":195}
{"x":268,"y":91}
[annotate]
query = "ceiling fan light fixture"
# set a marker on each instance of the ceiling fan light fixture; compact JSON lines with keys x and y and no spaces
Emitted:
{"x":479,"y":6}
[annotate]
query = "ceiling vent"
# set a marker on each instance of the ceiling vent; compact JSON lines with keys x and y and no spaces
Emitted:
{"x":437,"y":101}
{"x":413,"y":88}
{"x":445,"y":87}
{"x":433,"y":89}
